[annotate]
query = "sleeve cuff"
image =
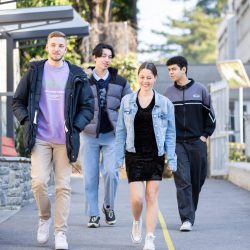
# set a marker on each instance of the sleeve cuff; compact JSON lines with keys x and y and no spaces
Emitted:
{"x":24,"y":120}
{"x":205,"y":135}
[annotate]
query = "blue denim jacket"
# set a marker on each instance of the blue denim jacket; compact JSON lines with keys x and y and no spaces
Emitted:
{"x":163,"y":122}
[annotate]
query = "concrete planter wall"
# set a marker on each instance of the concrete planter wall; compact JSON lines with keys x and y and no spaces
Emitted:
{"x":239,"y":174}
{"x":15,"y":182}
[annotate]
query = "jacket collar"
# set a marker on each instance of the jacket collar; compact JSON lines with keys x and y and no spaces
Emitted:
{"x":73,"y":69}
{"x":135,"y":94}
{"x":185,"y":86}
{"x":105,"y":77}
{"x":113,"y":72}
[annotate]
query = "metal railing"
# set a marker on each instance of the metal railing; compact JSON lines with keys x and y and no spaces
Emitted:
{"x":7,"y":94}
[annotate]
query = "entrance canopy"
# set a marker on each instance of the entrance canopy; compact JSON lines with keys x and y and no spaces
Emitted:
{"x":38,"y":22}
{"x":22,"y":15}
{"x":9,"y":1}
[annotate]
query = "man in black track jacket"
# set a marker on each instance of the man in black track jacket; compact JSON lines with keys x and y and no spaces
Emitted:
{"x":195,"y":121}
{"x":54,"y":103}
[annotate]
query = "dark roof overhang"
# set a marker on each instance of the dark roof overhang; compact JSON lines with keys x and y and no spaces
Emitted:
{"x":37,"y":23}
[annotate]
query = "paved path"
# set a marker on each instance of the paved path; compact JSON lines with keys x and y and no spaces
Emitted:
{"x":222,"y":222}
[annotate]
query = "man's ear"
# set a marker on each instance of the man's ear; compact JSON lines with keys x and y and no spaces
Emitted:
{"x":46,"y":47}
{"x":184,"y":69}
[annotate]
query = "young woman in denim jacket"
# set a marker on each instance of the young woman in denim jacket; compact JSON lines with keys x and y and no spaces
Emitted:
{"x":145,"y":132}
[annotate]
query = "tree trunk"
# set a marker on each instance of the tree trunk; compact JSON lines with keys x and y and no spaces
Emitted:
{"x":134,"y":18}
{"x":107,"y":12}
{"x":94,"y":6}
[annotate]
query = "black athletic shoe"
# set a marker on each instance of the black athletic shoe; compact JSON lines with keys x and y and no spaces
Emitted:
{"x":94,"y":222}
{"x":109,"y":215}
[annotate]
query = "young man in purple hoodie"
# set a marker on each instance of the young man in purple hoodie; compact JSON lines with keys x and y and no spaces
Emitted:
{"x":54,"y":103}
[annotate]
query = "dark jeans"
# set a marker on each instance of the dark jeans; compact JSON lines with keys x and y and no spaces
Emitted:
{"x":190,"y":176}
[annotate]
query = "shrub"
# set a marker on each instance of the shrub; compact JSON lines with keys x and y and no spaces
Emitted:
{"x":127,"y":67}
{"x":237,"y":152}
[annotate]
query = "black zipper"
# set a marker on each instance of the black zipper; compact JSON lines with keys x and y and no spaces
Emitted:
{"x":184,"y":114}
{"x":71,"y":113}
{"x":99,"y":113}
{"x":107,"y":107}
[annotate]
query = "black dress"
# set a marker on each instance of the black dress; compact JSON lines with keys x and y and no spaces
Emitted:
{"x":145,"y":164}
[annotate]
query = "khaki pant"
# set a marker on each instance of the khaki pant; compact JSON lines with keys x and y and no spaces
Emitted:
{"x":46,"y":156}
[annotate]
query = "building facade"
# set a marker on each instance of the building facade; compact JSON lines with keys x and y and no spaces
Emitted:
{"x":233,"y":34}
{"x":233,"y":40}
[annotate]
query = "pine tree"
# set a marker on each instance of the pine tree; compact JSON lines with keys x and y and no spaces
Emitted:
{"x":195,"y":35}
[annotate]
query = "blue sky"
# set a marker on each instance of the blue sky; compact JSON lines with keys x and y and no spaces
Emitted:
{"x":152,"y":15}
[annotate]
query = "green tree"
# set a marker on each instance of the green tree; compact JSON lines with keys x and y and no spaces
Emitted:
{"x":195,"y":35}
{"x":127,"y":67}
{"x":93,"y":11}
{"x":124,"y":10}
{"x":212,"y":7}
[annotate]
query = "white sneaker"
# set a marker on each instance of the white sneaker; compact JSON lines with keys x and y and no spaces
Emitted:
{"x":61,"y":241}
{"x":43,"y":231}
{"x":136,"y":231}
{"x":149,"y":242}
{"x":186,"y":226}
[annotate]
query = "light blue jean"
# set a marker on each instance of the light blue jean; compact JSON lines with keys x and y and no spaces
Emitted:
{"x":91,"y":148}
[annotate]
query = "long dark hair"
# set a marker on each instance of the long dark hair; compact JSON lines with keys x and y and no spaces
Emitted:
{"x":150,"y":66}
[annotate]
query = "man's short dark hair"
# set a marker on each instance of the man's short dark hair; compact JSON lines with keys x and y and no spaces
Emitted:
{"x":181,"y":61}
{"x":97,"y":51}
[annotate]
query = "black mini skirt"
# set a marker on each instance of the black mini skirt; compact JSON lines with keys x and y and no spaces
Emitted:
{"x":144,"y":166}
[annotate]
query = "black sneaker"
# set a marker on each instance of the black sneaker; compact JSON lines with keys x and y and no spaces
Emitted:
{"x":94,"y":222}
{"x":109,"y":215}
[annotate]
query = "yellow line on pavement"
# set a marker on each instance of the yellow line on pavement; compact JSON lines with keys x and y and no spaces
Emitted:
{"x":165,"y":231}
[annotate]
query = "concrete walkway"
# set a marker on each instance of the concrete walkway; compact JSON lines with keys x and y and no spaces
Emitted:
{"x":222,"y":222}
